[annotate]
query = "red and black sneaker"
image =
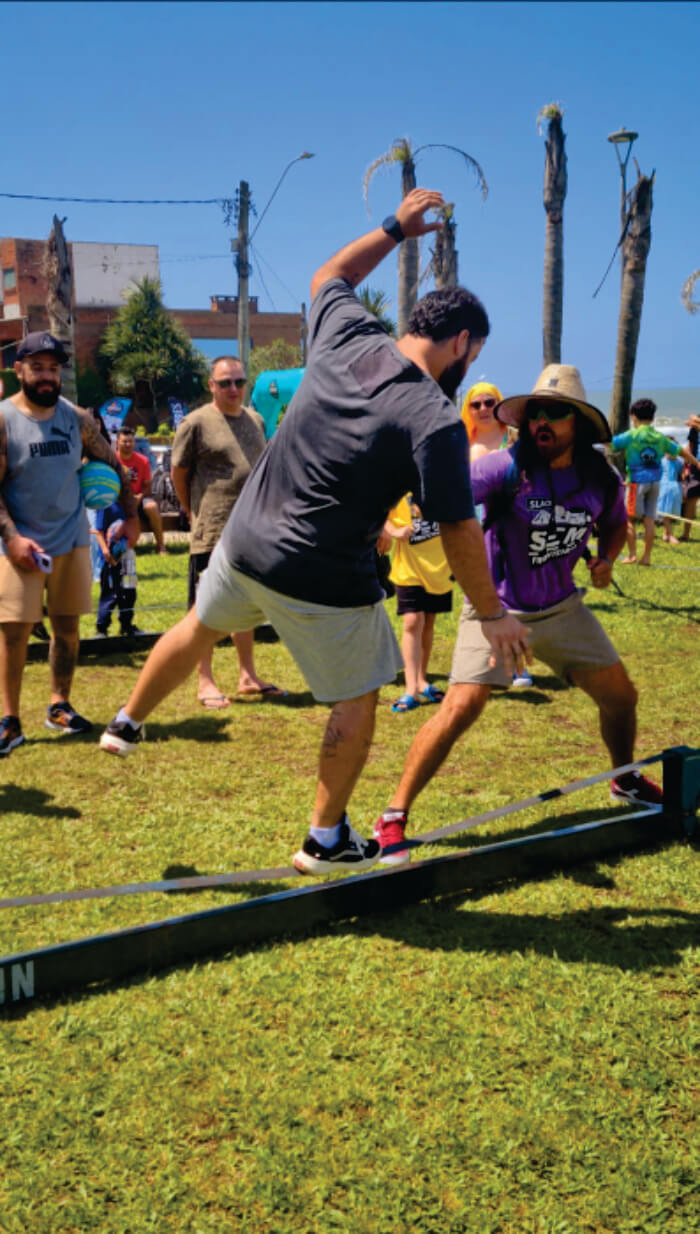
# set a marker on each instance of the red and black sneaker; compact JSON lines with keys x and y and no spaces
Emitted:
{"x":391,"y":832}
{"x":632,"y":786}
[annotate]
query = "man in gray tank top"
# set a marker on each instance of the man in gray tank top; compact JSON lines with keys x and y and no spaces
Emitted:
{"x":44,"y":535}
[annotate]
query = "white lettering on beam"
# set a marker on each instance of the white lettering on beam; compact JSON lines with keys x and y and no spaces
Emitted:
{"x":21,"y":982}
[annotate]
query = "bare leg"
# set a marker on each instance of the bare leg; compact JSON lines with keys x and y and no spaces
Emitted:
{"x":248,"y":680}
{"x":645,"y":559}
{"x":616,"y":699}
{"x":460,"y":708}
{"x":411,"y":650}
{"x":688,"y":511}
{"x":14,"y":636}
{"x":173,"y":658}
{"x":63,"y":655}
{"x":631,"y":545}
{"x":206,"y":686}
{"x":151,"y":510}
{"x":426,"y":648}
{"x":344,"y":751}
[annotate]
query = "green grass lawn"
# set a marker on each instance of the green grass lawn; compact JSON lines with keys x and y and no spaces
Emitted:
{"x":513,"y":1062}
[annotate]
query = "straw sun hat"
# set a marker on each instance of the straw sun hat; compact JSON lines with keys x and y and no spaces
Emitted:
{"x":557,"y":381}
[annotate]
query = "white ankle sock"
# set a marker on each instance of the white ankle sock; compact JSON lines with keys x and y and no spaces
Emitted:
{"x":123,"y":718}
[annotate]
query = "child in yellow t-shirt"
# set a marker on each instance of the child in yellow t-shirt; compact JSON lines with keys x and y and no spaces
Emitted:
{"x":423,"y":582}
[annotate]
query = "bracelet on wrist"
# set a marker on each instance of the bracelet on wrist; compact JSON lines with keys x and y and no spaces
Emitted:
{"x":496,"y":616}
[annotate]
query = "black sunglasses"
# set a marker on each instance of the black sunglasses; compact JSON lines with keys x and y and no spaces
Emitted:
{"x":550,"y":410}
{"x":227,"y":382}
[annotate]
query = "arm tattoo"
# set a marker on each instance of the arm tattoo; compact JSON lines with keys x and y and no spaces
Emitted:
{"x":95,"y":446}
{"x":7,"y":527}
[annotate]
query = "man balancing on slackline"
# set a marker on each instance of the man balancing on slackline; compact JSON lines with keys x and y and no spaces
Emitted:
{"x":542,"y":499}
{"x":372,"y":420}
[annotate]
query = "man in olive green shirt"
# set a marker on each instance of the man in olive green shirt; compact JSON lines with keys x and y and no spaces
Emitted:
{"x":214,"y":452}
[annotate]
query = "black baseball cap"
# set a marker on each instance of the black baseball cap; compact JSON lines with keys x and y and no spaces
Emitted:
{"x":40,"y":341}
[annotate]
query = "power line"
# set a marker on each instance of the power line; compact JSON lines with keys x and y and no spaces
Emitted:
{"x":260,"y":257}
{"x":121,"y":201}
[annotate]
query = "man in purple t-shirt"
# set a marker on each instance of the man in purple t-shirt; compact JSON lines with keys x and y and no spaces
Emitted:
{"x":543,"y":498}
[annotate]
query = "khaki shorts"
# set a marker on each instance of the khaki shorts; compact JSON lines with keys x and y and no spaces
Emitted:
{"x":566,"y":637}
{"x":342,"y":652}
{"x":68,"y":588}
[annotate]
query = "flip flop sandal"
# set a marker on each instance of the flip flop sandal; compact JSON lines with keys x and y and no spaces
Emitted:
{"x":431,"y":695}
{"x":406,"y":703}
{"x":268,"y":691}
{"x":215,"y":702}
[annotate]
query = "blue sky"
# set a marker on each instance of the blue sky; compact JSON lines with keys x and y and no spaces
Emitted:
{"x":183,"y":100}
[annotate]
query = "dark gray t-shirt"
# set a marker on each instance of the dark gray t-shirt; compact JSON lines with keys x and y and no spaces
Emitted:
{"x":365,"y":427}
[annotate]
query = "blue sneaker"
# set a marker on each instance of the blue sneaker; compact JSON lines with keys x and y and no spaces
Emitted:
{"x":522,"y":681}
{"x":11,"y":735}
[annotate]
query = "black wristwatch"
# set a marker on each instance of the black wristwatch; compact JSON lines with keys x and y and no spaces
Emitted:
{"x":393,"y":228}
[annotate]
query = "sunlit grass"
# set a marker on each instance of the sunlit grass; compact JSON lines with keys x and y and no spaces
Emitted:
{"x":515,"y":1062}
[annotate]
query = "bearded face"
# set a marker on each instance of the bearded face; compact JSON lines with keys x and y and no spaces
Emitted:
{"x":40,"y":379}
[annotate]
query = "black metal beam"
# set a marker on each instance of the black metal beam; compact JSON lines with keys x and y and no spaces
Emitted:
{"x":147,"y":948}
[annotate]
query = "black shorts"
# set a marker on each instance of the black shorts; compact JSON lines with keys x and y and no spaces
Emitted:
{"x":418,"y":600}
{"x":197,"y":566}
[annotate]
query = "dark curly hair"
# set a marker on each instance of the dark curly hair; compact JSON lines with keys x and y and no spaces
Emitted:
{"x":643,"y":409}
{"x":442,"y":314}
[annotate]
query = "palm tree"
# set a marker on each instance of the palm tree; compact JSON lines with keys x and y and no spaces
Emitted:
{"x":635,"y":250}
{"x":553,"y":196}
{"x":403,"y":153}
{"x":59,"y":302}
{"x":444,"y":262}
{"x":687,"y":291}
{"x":376,"y":302}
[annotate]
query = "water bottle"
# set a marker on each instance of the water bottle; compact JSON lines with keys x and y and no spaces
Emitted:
{"x":128,"y":562}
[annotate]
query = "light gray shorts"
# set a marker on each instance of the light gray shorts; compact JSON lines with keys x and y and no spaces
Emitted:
{"x":342,"y":652}
{"x":566,"y":637}
{"x":646,"y":498}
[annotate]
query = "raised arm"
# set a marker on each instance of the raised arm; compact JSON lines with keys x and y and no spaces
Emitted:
{"x":359,"y":258}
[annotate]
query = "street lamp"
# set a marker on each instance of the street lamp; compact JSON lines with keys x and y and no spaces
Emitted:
{"x":623,"y":137}
{"x":304,"y":155}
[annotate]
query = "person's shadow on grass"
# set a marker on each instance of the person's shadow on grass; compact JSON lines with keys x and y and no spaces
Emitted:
{"x":33,"y":801}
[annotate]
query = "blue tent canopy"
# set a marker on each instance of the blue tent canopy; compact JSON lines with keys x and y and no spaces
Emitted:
{"x":272,"y":391}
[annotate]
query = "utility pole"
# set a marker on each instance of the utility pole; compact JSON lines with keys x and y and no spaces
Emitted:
{"x":243,"y":270}
{"x":303,"y":335}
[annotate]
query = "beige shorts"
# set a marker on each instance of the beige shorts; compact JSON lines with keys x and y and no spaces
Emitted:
{"x":342,"y":652}
{"x":566,"y":637}
{"x":68,"y":588}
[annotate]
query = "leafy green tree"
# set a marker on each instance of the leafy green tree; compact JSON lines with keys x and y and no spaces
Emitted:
{"x":150,"y":355}
{"x":93,"y":390}
{"x":276,"y":355}
{"x":377,"y":303}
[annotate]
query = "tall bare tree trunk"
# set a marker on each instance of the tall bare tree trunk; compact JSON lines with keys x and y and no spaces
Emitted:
{"x":635,"y":250}
{"x":554,"y":195}
{"x":445,"y":254}
{"x":408,"y":255}
{"x":59,"y":302}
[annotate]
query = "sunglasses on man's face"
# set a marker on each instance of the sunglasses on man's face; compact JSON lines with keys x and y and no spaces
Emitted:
{"x":549,"y":411}
{"x":227,"y":382}
{"x":484,"y":402}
